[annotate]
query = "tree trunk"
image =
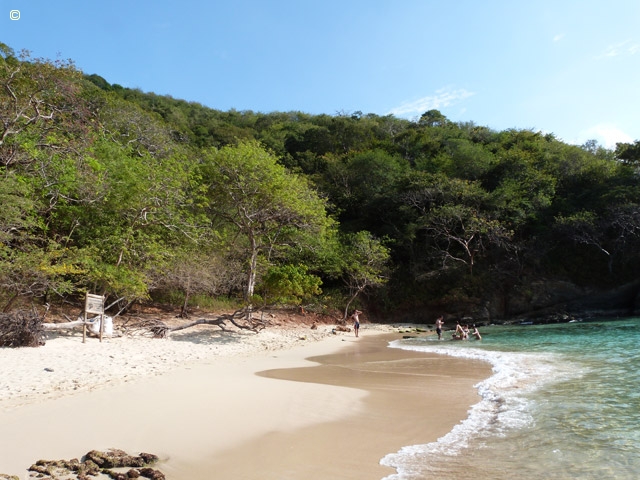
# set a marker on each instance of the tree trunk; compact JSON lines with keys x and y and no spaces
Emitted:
{"x":201,"y":321}
{"x":346,"y":309}
{"x":159,"y":329}
{"x":184,"y":313}
{"x":251,"y":280}
{"x":62,"y":326}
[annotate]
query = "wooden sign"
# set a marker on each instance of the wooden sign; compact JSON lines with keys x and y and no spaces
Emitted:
{"x":94,"y":304}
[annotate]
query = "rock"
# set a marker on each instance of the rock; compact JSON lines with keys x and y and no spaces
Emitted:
{"x":118,"y":476}
{"x":149,"y":458}
{"x":97,"y":462}
{"x":152,"y":474}
{"x":115,"y":458}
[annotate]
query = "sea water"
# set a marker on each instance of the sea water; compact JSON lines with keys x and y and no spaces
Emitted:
{"x":563,"y":403}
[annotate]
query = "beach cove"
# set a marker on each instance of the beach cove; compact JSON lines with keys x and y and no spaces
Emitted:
{"x":285,"y":403}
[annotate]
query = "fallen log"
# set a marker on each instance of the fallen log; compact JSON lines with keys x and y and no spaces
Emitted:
{"x":219,"y":322}
{"x":238,"y":319}
{"x":63,"y":326}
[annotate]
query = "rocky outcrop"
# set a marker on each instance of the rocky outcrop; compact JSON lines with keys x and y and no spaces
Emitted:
{"x":563,"y":301}
{"x":96,"y":462}
{"x":541,"y":301}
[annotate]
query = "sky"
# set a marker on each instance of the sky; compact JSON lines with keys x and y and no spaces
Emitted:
{"x":566,"y":67}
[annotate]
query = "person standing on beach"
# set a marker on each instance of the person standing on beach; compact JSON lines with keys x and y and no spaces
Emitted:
{"x":439,"y":324}
{"x":356,"y":321}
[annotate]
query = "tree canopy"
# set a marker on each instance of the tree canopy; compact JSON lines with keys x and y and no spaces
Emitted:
{"x":131,"y":194}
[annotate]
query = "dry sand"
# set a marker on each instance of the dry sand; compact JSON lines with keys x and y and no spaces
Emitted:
{"x":196,"y":401}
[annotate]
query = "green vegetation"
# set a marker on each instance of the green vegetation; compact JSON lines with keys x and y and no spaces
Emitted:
{"x":138,"y":196}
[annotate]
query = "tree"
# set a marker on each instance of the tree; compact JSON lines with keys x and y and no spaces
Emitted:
{"x":289,"y":284}
{"x":16,"y":214}
{"x":581,"y":227}
{"x":41,"y":107}
{"x":363,"y":186}
{"x":614,"y":233}
{"x":35,"y":272}
{"x":433,"y":118}
{"x":629,"y":152}
{"x":44,"y":120}
{"x":461,"y":234}
{"x":269,"y":208}
{"x":365,"y":264}
{"x":196,"y":271}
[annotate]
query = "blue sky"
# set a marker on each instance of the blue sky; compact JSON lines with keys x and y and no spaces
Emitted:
{"x":571,"y":68}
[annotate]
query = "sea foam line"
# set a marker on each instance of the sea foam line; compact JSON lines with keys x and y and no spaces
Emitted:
{"x":505,"y":401}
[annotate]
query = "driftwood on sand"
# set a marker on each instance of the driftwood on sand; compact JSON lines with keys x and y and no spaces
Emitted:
{"x":27,"y":328}
{"x":342,"y":328}
{"x":70,"y":324}
{"x":241,"y":319}
{"x":21,"y":329}
{"x":63,"y":326}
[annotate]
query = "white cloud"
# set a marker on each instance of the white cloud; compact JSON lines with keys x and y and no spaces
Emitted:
{"x":444,"y":97}
{"x":628,"y":47}
{"x":558,"y":37}
{"x":606,"y":134}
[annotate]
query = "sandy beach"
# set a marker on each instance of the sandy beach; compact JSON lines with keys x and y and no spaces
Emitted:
{"x":288,"y":402}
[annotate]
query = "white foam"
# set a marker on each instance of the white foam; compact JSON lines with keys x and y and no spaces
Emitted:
{"x":505,"y":401}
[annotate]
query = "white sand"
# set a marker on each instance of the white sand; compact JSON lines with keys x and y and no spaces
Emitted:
{"x":193,"y":394}
{"x":65,"y":365}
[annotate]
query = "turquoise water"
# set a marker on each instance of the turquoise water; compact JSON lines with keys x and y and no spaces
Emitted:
{"x":563,"y":403}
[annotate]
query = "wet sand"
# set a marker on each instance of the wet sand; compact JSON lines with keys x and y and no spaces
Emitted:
{"x":412,"y":398}
{"x":217,"y":419}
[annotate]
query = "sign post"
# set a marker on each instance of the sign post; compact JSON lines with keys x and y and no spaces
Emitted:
{"x":93,"y":304}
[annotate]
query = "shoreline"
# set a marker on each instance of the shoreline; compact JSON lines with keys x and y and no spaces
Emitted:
{"x":239,"y":412}
{"x":411,"y":398}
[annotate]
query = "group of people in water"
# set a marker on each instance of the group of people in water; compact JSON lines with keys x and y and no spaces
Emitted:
{"x":462,"y":331}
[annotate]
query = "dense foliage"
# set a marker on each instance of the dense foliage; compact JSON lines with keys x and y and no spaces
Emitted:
{"x":132,"y":194}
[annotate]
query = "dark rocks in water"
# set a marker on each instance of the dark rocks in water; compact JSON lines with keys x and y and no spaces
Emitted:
{"x":152,"y":474}
{"x":119,"y":476}
{"x":117,"y":459}
{"x":97,"y":462}
{"x":149,"y":458}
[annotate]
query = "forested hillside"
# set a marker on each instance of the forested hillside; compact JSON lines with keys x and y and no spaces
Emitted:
{"x":143,"y":197}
